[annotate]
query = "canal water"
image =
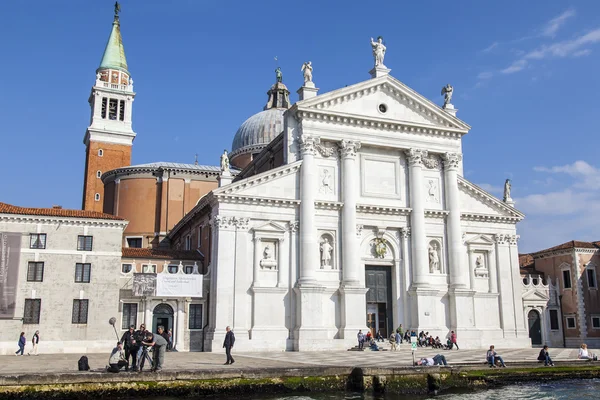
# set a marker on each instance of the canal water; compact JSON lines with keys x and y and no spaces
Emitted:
{"x":557,"y":390}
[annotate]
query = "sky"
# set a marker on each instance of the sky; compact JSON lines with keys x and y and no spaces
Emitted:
{"x":525,"y":77}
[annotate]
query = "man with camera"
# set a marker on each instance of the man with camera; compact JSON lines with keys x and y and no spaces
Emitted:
{"x":138,"y":349}
{"x":159,"y":345}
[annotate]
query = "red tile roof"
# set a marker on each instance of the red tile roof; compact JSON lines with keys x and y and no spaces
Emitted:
{"x":525,"y":260}
{"x":55,"y":212}
{"x":163,"y":254}
{"x":570,"y":245}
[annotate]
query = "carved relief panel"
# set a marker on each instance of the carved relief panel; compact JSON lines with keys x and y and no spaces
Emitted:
{"x":269,"y":254}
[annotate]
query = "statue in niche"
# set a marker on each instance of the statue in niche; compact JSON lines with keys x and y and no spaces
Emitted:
{"x":268,"y":259}
{"x":326,"y":182}
{"x":507,"y":188}
{"x":307,"y":72}
{"x":378,"y":51}
{"x":432,"y":192}
{"x":225,"y":163}
{"x":480,"y":268}
{"x":447,"y":92}
{"x":434,"y":258}
{"x":326,"y":252}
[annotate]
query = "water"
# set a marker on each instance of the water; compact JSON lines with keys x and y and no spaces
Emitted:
{"x":557,"y":390}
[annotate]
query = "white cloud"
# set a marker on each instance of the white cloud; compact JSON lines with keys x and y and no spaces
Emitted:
{"x":562,"y":214}
{"x":485,"y":75}
{"x":582,"y":53}
{"x":491,"y":188}
{"x":555,"y":24}
{"x":565,"y":48}
{"x":490,"y":47}
{"x":515,"y":67}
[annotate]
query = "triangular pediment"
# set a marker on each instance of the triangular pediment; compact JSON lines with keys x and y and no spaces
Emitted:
{"x":478,"y":202}
{"x":534,"y":295}
{"x":270,"y":226}
{"x":277,"y":183}
{"x":402,"y":104}
{"x":483,"y":240}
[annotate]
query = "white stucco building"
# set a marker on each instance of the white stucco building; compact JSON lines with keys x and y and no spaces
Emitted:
{"x":366,"y":220}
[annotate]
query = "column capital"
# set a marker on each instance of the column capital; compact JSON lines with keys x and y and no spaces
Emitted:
{"x":451,"y":160}
{"x":405,"y":232}
{"x":293,"y":226}
{"x":415,"y":156}
{"x":308,"y":144}
{"x":349,"y":148}
{"x":506,"y":239}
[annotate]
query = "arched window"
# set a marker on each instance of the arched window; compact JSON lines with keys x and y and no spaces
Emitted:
{"x":98,"y":174}
{"x":100,"y":152}
{"x":97,"y":197}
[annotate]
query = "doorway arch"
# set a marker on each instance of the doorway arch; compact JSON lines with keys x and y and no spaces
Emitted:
{"x":162,"y":316}
{"x":535,"y":327}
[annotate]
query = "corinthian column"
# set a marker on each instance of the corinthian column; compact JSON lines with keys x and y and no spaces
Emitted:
{"x":309,"y":250}
{"x":350,"y":270}
{"x":458,"y":273}
{"x":417,"y":217}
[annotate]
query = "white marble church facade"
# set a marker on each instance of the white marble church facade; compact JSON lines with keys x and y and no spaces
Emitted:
{"x":368,"y":221}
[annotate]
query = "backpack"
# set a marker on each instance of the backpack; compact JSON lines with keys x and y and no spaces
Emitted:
{"x":82,"y":364}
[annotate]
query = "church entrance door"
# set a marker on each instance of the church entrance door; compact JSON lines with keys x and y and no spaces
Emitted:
{"x":379,"y":299}
{"x":162,"y":316}
{"x":535,"y":327}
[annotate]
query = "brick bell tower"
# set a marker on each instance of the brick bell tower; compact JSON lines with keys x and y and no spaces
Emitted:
{"x":109,"y":137}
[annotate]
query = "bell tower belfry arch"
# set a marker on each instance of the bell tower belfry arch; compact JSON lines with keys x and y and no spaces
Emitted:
{"x":109,"y":138}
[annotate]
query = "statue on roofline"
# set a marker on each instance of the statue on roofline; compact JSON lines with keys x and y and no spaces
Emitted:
{"x":447,"y":93}
{"x":307,"y":71}
{"x":507,"y":188}
{"x":378,"y":51}
{"x":278,"y":75}
{"x":225,"y":163}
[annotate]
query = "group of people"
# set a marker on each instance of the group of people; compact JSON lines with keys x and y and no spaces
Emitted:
{"x":35,"y":340}
{"x":133,"y":348}
{"x":423,"y":339}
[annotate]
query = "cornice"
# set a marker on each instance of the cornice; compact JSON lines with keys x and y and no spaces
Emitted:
{"x":489,"y":199}
{"x":468,"y":216}
{"x":247,"y":149}
{"x":436,"y":213}
{"x":255,"y":200}
{"x":563,"y":252}
{"x":125,"y":171}
{"x":71,"y":221}
{"x":382,"y":210}
{"x":328,"y":205}
{"x":345,"y":119}
{"x":259,"y":179}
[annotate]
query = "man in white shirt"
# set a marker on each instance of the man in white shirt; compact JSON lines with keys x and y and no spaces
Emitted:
{"x":117,"y":359}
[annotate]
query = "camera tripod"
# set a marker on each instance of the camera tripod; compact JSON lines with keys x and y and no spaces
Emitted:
{"x":145,"y":356}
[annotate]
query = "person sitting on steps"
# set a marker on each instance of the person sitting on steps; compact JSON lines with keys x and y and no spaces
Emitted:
{"x":545,"y":357}
{"x":492,"y":357}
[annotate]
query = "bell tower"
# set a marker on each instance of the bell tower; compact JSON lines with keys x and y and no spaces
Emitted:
{"x":109,"y":137}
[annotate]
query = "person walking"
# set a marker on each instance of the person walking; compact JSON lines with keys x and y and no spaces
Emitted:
{"x":21,"y":343}
{"x":545,"y":357}
{"x":228,"y":344}
{"x":401,"y":332}
{"x":453,"y":340}
{"x":34,"y":342}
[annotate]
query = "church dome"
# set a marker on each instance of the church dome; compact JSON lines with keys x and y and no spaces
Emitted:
{"x":258,"y":130}
{"x":261,"y":128}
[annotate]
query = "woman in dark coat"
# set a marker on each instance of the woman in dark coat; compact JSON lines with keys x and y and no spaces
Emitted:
{"x":21,"y":343}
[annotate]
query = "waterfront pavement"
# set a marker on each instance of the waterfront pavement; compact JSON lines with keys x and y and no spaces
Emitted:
{"x":174,"y":361}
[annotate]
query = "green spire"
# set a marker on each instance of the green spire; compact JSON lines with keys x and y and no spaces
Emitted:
{"x":114,"y":53}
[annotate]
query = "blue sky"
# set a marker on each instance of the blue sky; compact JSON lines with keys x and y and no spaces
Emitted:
{"x":525,"y":76}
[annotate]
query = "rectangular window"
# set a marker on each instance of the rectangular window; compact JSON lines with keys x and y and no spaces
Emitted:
{"x":134,"y":243}
{"x":566,"y":279}
{"x":570,"y":322}
{"x":31,"y":314}
{"x":188,"y":242}
{"x":195,"y":316}
{"x":596,"y":322}
{"x":591,"y":278}
{"x":83,"y":272}
{"x":148,"y":268}
{"x":104,"y":101}
{"x":37,"y":241}
{"x":84,"y":243}
{"x":189,"y":269}
{"x":129,"y":315}
{"x":126,"y":268}
{"x":199,"y":237}
{"x":173,"y":269}
{"x":113,"y":104}
{"x":122,"y":110}
{"x":554,"y":320}
{"x":80,"y":312}
{"x":35,"y":271}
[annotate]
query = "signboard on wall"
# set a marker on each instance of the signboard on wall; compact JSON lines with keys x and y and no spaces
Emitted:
{"x":10,"y":252}
{"x":144,"y":284}
{"x":179,"y":285}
